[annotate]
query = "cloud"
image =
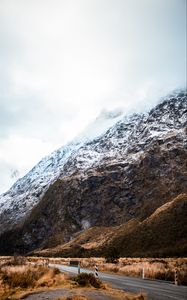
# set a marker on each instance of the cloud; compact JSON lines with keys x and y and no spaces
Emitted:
{"x":20,"y":154}
{"x":62,"y":62}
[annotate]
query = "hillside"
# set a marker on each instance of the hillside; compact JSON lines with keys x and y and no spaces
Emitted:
{"x":162,"y":234}
{"x":124,"y":174}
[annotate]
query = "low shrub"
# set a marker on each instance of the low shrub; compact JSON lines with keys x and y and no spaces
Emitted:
{"x":56,"y":271}
{"x":85,"y":279}
{"x":39,"y":271}
{"x":24,"y":279}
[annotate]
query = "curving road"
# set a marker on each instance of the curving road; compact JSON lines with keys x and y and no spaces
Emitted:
{"x":155,"y":290}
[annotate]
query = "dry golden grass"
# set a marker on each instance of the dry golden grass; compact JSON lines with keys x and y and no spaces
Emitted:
{"x":33,"y":275}
{"x":161,"y":268}
{"x":17,"y":281}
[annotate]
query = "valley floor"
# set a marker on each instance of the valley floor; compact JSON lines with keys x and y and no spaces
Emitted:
{"x":35,"y":278}
{"x":21,"y":278}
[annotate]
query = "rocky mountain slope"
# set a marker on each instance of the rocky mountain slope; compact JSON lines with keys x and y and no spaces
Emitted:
{"x":17,"y":202}
{"x":128,"y":172}
{"x":161,"y":234}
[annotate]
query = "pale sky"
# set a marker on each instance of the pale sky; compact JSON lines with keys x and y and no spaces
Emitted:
{"x":63,"y":61}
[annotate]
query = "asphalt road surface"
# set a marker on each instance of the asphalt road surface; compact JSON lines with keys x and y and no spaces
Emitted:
{"x":155,"y":289}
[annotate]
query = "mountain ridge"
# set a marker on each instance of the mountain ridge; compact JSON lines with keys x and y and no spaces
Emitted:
{"x":127,"y":172}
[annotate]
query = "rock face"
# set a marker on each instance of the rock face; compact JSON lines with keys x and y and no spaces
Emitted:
{"x":161,"y":234}
{"x":128,"y":172}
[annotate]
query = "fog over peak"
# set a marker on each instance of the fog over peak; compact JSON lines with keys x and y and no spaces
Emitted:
{"x":63,"y":61}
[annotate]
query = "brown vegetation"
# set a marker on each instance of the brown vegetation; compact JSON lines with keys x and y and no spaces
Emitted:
{"x":163,"y":234}
{"x":155,"y":268}
{"x":15,"y":280}
{"x":20,"y":276}
{"x":85,"y":279}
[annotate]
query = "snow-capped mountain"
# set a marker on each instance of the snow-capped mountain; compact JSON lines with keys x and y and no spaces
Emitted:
{"x":27,"y":191}
{"x":131,"y":135}
{"x":117,"y":139}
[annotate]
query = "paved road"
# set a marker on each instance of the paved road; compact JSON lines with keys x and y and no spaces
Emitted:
{"x":156,"y":290}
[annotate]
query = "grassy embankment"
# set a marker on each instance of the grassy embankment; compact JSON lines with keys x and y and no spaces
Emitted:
{"x":20,"y":277}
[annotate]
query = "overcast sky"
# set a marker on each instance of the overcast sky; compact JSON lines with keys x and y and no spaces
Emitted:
{"x":63,"y":61}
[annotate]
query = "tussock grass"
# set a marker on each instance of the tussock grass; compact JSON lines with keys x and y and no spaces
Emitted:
{"x":85,"y":279}
{"x":21,"y":278}
{"x":155,"y":268}
{"x":162,"y":269}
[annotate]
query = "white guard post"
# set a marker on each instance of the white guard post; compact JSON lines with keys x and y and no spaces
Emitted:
{"x":143,"y":273}
{"x":96,"y":271}
{"x":176,"y":276}
{"x":79,"y":268}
